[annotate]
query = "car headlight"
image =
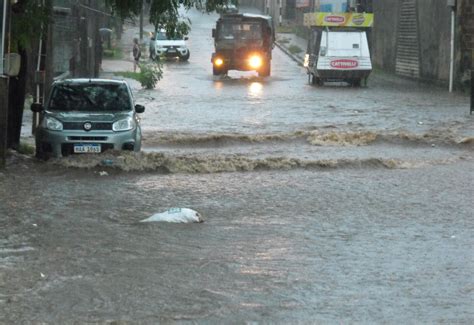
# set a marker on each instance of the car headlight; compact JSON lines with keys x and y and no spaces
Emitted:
{"x":124,"y":125}
{"x":51,"y":123}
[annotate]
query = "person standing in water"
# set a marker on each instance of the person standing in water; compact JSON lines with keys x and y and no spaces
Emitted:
{"x":137,"y":53}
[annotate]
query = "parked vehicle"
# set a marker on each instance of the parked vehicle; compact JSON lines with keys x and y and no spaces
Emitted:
{"x":243,"y":42}
{"x":162,"y":45}
{"x":88,"y":116}
{"x":338,"y":48}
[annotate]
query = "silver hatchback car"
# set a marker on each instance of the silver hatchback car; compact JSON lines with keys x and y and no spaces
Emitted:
{"x":88,"y":116}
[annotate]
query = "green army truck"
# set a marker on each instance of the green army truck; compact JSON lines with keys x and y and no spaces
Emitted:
{"x":243,"y":42}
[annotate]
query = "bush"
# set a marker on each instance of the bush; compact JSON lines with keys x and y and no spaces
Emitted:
{"x":149,"y":75}
{"x":295,"y":49}
{"x":26,"y":149}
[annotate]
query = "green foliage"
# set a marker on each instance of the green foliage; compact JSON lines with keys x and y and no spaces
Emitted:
{"x":29,"y":20}
{"x":164,"y":13}
{"x":148,"y":76}
{"x":295,"y":49}
{"x":26,"y":149}
{"x":114,"y":53}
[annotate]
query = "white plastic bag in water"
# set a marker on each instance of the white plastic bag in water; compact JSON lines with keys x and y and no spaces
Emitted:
{"x":176,"y":215}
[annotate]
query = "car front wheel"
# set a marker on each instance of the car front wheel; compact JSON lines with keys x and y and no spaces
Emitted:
{"x":185,"y":58}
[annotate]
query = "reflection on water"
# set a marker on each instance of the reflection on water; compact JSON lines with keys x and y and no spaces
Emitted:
{"x":218,"y":84}
{"x":255,"y":89}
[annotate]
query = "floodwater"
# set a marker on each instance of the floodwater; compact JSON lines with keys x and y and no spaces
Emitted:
{"x":321,"y":205}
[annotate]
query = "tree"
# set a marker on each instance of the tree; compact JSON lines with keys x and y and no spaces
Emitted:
{"x":29,"y":20}
{"x":165,"y":13}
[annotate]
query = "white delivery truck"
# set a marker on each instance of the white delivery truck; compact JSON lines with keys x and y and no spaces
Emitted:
{"x":338,"y":49}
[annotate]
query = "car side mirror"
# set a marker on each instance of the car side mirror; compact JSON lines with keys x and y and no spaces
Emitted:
{"x":139,"y":108}
{"x":37,"y":107}
{"x":214,"y":32}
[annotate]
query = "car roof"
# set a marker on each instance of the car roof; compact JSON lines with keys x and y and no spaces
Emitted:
{"x":95,"y":81}
{"x":247,"y":15}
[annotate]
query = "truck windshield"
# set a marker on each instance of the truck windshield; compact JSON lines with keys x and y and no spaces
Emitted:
{"x":240,"y":31}
{"x":90,"y":98}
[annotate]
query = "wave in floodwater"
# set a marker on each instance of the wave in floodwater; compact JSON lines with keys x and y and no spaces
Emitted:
{"x":161,"y":163}
{"x":317,"y":138}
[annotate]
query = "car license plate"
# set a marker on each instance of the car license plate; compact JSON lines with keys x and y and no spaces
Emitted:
{"x":171,"y":51}
{"x":87,"y":148}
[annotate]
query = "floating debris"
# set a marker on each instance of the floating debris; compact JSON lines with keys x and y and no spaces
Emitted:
{"x":176,"y":215}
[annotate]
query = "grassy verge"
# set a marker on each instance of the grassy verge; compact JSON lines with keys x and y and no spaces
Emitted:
{"x":26,"y":149}
{"x":295,"y":49}
{"x":113,"y":54}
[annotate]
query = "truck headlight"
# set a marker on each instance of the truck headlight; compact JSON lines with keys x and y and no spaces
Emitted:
{"x":51,"y":123}
{"x":255,"y":61}
{"x":124,"y":125}
{"x":218,"y":62}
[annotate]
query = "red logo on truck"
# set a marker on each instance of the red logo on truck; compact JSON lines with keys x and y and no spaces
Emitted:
{"x":335,"y":19}
{"x":344,"y":64}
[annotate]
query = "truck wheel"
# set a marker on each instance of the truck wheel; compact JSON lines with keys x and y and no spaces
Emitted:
{"x":356,"y":83}
{"x":217,"y":71}
{"x":40,"y":153}
{"x":266,"y":71}
{"x":317,"y":81}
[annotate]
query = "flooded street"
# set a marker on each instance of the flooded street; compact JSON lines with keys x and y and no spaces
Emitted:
{"x":321,"y":204}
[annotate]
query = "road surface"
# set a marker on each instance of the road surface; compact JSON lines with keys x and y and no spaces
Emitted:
{"x":331,"y":205}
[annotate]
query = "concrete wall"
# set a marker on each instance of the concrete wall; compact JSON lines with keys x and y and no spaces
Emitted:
{"x":434,"y":21}
{"x":466,"y":22}
{"x":76,"y":38}
{"x":385,"y":34}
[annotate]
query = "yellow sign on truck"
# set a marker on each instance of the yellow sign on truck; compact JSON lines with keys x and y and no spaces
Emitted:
{"x":327,"y":19}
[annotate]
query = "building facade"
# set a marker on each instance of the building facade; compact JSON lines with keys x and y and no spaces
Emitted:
{"x":412,"y":38}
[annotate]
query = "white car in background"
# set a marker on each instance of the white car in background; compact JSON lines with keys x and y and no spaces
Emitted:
{"x":161,"y":45}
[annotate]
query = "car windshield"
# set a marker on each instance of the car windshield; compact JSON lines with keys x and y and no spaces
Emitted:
{"x":161,"y":36}
{"x":90,"y":97}
{"x":243,"y":31}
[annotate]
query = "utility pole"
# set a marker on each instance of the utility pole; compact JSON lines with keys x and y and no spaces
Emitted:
{"x":472,"y":90}
{"x":452,"y":6}
{"x":3,"y":119}
{"x":141,"y":20}
{"x":3,"y":86}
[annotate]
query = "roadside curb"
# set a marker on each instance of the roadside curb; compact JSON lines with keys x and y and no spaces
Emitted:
{"x":293,"y":57}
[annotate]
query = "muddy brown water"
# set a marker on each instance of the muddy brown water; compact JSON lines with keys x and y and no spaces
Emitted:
{"x":347,"y":244}
{"x":322,"y":205}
